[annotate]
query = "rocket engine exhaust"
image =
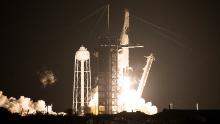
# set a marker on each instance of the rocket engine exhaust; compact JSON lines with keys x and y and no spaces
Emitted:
{"x":25,"y":106}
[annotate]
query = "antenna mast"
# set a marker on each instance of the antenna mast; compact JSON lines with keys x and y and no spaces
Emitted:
{"x":108,"y":17}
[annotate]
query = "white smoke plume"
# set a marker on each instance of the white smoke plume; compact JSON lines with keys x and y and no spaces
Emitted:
{"x":130,"y":101}
{"x":24,"y":105}
{"x":47,"y":77}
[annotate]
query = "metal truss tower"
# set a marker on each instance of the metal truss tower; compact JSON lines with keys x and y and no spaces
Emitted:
{"x":107,"y":75}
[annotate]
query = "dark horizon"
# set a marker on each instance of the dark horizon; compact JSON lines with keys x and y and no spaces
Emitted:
{"x":47,"y":34}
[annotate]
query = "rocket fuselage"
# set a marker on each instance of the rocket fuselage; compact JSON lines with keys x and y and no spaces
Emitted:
{"x":123,"y":52}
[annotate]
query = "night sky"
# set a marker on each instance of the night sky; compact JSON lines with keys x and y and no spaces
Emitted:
{"x":46,"y":34}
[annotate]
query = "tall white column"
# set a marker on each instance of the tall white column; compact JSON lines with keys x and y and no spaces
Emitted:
{"x":82,"y":87}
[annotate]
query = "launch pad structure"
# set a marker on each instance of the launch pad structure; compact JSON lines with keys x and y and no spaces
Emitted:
{"x":111,"y":68}
{"x":107,"y":76}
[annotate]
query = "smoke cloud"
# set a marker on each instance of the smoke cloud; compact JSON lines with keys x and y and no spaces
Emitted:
{"x":130,"y":101}
{"x":47,"y":77}
{"x":24,"y":105}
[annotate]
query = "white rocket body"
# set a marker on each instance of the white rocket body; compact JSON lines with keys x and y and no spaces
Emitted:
{"x":123,"y":52}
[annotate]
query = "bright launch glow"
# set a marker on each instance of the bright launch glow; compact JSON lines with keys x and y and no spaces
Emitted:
{"x":93,"y":103}
{"x":129,"y":100}
{"x":124,"y":83}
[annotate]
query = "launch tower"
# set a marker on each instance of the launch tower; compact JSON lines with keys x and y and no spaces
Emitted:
{"x":107,"y":76}
{"x":111,"y":92}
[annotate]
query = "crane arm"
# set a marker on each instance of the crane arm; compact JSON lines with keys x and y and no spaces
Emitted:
{"x":145,"y":74}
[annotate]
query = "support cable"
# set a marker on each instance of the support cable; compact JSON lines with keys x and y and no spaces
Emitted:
{"x":163,"y":31}
{"x":92,"y":14}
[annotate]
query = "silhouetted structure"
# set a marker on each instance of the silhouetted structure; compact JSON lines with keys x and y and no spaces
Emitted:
{"x":165,"y":117}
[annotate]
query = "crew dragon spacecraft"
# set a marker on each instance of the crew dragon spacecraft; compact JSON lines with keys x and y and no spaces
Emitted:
{"x":111,"y":90}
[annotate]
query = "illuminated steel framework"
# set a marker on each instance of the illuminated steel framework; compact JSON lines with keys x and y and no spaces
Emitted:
{"x":107,"y":75}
